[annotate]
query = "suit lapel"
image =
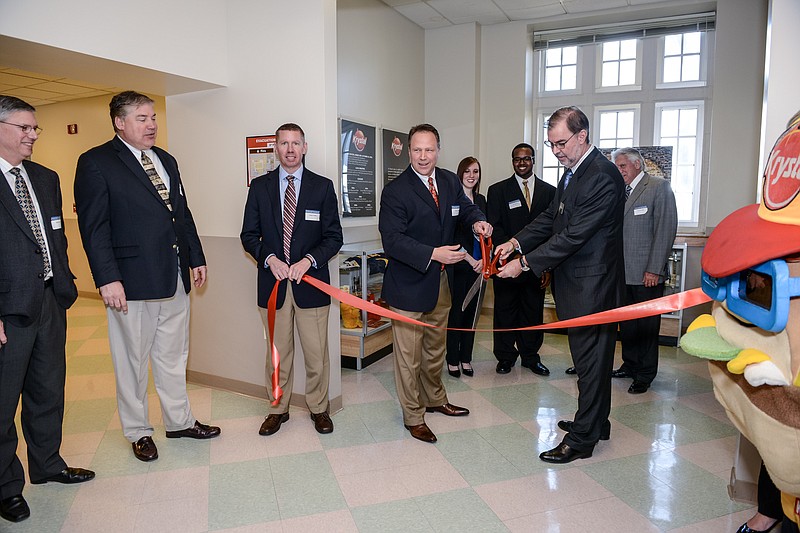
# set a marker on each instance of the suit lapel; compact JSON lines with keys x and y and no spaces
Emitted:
{"x":274,"y":192}
{"x":515,"y":192}
{"x":9,"y":201}
{"x":636,"y":193}
{"x":302,"y":198}
{"x":43,"y":199}
{"x":422,"y":190}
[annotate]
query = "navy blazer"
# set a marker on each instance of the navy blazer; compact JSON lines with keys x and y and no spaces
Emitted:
{"x":579,"y":237}
{"x":317,"y":232}
{"x":21,"y":264}
{"x":411,"y":226}
{"x":128,"y":232}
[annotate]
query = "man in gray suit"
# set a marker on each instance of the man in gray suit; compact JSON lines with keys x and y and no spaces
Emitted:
{"x":651,"y":221}
{"x":36,"y":288}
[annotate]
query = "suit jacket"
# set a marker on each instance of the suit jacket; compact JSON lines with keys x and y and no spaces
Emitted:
{"x":21,"y":265}
{"x":411,"y":226}
{"x":651,"y":221}
{"x":128,"y":232}
{"x":320,"y":237}
{"x":579,"y":237}
{"x":508,"y":212}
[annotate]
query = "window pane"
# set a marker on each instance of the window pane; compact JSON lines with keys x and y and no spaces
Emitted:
{"x":624,"y":143}
{"x":627,"y":72}
{"x":569,"y":77}
{"x":608,"y":125}
{"x":611,"y":51}
{"x":672,"y":45}
{"x":684,"y":176}
{"x":552,"y":79}
{"x":570,"y":55}
{"x":669,"y":123}
{"x":691,"y":43}
{"x":686,"y":150}
{"x":691,"y":68}
{"x":684,"y":202}
{"x":608,"y":143}
{"x":625,"y":124}
{"x":672,"y":69}
{"x":610,"y":74}
{"x":688,"y":119}
{"x":627,"y":49}
{"x":553,"y":56}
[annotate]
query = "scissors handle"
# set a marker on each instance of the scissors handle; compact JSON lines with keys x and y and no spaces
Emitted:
{"x":489,"y":263}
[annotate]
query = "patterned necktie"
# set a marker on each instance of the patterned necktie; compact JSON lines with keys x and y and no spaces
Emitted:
{"x":628,"y":190}
{"x":26,"y":203}
{"x":289,"y":208}
{"x":155,"y":179}
{"x":527,"y":193}
{"x":567,"y":176}
{"x":432,"y":188}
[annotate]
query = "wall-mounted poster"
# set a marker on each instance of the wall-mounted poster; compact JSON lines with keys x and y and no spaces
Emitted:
{"x":358,"y":169}
{"x":657,"y":159}
{"x":260,"y":156}
{"x":395,"y":154}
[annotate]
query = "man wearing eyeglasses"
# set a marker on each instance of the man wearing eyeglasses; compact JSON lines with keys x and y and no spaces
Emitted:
{"x":36,"y":289}
{"x":512,"y":204}
{"x":579,"y":239}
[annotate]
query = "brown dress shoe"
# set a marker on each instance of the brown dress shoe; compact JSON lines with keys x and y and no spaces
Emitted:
{"x":322,"y":422}
{"x":422,"y":432}
{"x":273,"y":423}
{"x":448,"y":409}
{"x":197,"y":431}
{"x":145,"y":449}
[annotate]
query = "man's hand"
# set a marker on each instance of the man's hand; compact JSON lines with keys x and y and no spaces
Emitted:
{"x":505,"y":249}
{"x":199,"y":274}
{"x":482,"y":228}
{"x":297,"y":270}
{"x":113,"y":295}
{"x":477,"y":266}
{"x":545,"y":279}
{"x":650,"y":279}
{"x":3,"y":338}
{"x":278,"y":268}
{"x":448,"y":254}
{"x":512,"y":269}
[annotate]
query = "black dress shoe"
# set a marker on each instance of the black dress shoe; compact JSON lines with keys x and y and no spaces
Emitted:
{"x":566,"y":425}
{"x":448,"y":409}
{"x":563,"y":454}
{"x":14,"y":508}
{"x":571,"y":371}
{"x":537,"y":368}
{"x":69,"y":475}
{"x":197,"y":431}
{"x":272,"y":423}
{"x":744,"y":528}
{"x":145,"y":449}
{"x":322,"y":422}
{"x":638,"y":387}
{"x":504,"y":367}
{"x":620,"y":373}
{"x":455,"y":373}
{"x":467,"y":369}
{"x":422,"y":432}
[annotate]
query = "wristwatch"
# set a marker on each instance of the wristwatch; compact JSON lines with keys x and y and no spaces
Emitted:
{"x":523,"y":263}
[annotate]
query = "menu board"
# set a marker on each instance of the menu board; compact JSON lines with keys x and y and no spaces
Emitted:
{"x":395,"y":154}
{"x":358,"y":169}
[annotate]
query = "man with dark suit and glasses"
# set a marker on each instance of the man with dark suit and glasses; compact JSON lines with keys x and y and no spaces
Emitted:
{"x":145,"y":255}
{"x":36,"y":289}
{"x":579,"y":238}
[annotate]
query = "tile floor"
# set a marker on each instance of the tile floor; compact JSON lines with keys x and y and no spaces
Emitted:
{"x":665,"y":468}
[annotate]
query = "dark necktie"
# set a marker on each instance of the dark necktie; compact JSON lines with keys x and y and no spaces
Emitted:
{"x":567,"y":176}
{"x":26,"y":203}
{"x":155,"y":179}
{"x":628,"y":190}
{"x":289,"y":208}
{"x":432,"y":188}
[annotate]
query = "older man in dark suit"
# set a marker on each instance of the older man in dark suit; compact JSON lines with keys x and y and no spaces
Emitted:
{"x":36,"y":290}
{"x":291,"y":227}
{"x":419,"y":213}
{"x":651,"y":221}
{"x":579,"y":238}
{"x":145,"y":254}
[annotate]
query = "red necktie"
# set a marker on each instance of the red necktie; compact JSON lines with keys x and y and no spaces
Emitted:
{"x":289,"y":208}
{"x":433,"y":191}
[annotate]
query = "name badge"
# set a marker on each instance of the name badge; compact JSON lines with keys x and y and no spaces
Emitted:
{"x":311,"y":215}
{"x":640,"y":210}
{"x":514,"y":204}
{"x":55,"y":222}
{"x":561,"y":208}
{"x":455,"y":210}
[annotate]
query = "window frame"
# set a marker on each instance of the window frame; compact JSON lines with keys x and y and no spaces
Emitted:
{"x":542,"y":62}
{"x":616,"y":108}
{"x":703,"y":74}
{"x":598,"y":82}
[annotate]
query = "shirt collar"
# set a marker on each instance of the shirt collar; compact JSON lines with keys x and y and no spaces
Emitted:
{"x":578,"y":164}
{"x":298,"y":174}
{"x":636,"y":180}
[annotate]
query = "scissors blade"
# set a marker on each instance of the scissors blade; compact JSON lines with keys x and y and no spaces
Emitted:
{"x":476,"y":286}
{"x":481,"y":294}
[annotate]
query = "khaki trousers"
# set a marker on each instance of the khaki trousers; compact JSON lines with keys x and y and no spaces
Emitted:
{"x":312,"y":326}
{"x":419,"y":358}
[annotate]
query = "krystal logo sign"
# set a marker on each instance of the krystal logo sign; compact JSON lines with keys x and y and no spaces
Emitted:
{"x":782,"y":175}
{"x":359,"y":140}
{"x":397,"y":147}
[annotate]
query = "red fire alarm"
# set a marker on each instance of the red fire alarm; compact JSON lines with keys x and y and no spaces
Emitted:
{"x":72,"y":129}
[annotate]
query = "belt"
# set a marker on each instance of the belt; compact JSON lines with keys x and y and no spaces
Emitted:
{"x":48,"y":283}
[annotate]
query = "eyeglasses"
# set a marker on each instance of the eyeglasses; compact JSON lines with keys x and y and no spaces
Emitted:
{"x":561,"y":144}
{"x":26,"y":129}
{"x":521,"y":159}
{"x":759,"y":295}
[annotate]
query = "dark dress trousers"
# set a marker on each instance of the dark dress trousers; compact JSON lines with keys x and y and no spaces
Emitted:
{"x":460,"y":343}
{"x":518,"y":301}
{"x":579,"y":238}
{"x":32,"y":362}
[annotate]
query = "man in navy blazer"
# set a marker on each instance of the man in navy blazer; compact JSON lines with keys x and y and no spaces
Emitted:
{"x":293,"y":210}
{"x":36,"y":289}
{"x":579,"y":238}
{"x":145,"y":254}
{"x":419,"y":213}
